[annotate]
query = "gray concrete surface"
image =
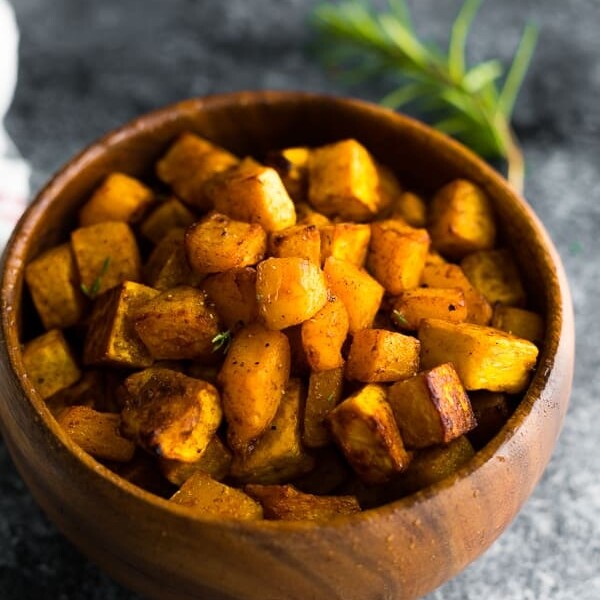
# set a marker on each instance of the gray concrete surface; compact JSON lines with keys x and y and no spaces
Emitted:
{"x":89,"y":66}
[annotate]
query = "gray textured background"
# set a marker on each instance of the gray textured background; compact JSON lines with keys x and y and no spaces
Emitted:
{"x":89,"y":66}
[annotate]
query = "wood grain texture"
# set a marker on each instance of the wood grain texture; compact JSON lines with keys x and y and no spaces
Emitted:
{"x":398,"y":551}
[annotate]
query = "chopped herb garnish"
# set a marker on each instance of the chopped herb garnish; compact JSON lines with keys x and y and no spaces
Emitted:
{"x":399,"y":318}
{"x":330,"y":398}
{"x":92,"y":291}
{"x":221,"y":341}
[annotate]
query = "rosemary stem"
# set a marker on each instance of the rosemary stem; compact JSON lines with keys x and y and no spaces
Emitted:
{"x":515,"y":162}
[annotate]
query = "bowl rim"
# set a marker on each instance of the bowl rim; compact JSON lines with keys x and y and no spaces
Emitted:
{"x":12,"y":283}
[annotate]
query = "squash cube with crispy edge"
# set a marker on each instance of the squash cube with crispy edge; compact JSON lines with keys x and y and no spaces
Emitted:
{"x":388,"y":186}
{"x":278,"y":455}
{"x":189,"y":163}
{"x":292,"y":166}
{"x":178,"y":324}
{"x":520,"y":322}
{"x":428,"y":303}
{"x":253,"y":379}
{"x":358,"y":291}
{"x":169,"y":214}
{"x":411,"y":208}
{"x":233,"y":294}
{"x":495,"y":274}
{"x":106,"y":255}
{"x":343,"y":181}
{"x":484,"y":357}
{"x":397,"y":254}
{"x":300,"y":241}
{"x":218,"y":243}
{"x":253,"y":193}
{"x":306,"y":215}
{"x":53,"y":281}
{"x":111,"y":337}
{"x":491,"y":410}
{"x":285,"y":502}
{"x":461,"y":220}
{"x":324,"y":393}
{"x":378,"y":355}
{"x":345,"y":241}
{"x":431,"y":408}
{"x":97,"y":433}
{"x":118,"y":198}
{"x":49,"y":363}
{"x":448,"y":275}
{"x":214,"y":500}
{"x":170,"y":415}
{"x":215,"y":461}
{"x":289,"y":291}
{"x":363,"y":426}
{"x":324,"y":334}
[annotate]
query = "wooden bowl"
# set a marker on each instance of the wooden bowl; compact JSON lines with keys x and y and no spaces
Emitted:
{"x":401,"y":550}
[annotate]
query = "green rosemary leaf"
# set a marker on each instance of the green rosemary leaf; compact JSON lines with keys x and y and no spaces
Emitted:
{"x":93,"y":290}
{"x":458,"y":38}
{"x":405,"y":94}
{"x":400,"y":10}
{"x":399,"y":318}
{"x":482,"y":75}
{"x":221,"y":341}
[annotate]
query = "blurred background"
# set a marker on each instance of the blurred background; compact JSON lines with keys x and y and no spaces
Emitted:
{"x":86,"y":67}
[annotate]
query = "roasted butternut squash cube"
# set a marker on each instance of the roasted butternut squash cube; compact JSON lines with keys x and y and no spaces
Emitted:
{"x":218,"y":243}
{"x":285,"y":502}
{"x":97,"y":433}
{"x":363,"y":426}
{"x":170,"y":414}
{"x":119,"y":198}
{"x":49,"y":363}
{"x":253,"y":193}
{"x":410,"y":207}
{"x":178,"y":324}
{"x":214,"y":500}
{"x":300,"y":241}
{"x":289,"y":291}
{"x":170,"y":214}
{"x":495,"y":274}
{"x":359,"y":292}
{"x":428,"y":303}
{"x":278,"y":455}
{"x":431,"y":408}
{"x":324,"y":393}
{"x":111,"y":337}
{"x":53,"y":281}
{"x":484,"y":357}
{"x":397,"y":254}
{"x":253,"y":379}
{"x":189,"y":163}
{"x":378,"y":355}
{"x":306,"y":215}
{"x":292,"y":166}
{"x":520,"y":322}
{"x":343,"y":181}
{"x":345,"y":241}
{"x":324,"y":334}
{"x":461,"y":220}
{"x":106,"y":255}
{"x":491,"y":410}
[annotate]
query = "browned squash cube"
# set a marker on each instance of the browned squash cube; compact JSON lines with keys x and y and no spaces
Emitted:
{"x":484,"y":357}
{"x":324,"y":334}
{"x":495,"y":275}
{"x":397,"y":254}
{"x":253,"y":379}
{"x":97,"y":433}
{"x":189,"y":163}
{"x":178,"y":324}
{"x":306,"y":215}
{"x":411,"y":208}
{"x":461,"y":220}
{"x":111,"y":338}
{"x":119,"y":198}
{"x":285,"y":502}
{"x":345,"y":241}
{"x":278,"y":455}
{"x":170,"y":414}
{"x":292,"y":166}
{"x":428,"y":303}
{"x":324,"y":393}
{"x":300,"y":241}
{"x":343,"y":181}
{"x":358,"y":291}
{"x":106,"y":255}
{"x":289,"y":291}
{"x":491,"y":410}
{"x":170,"y":214}
{"x":53,"y":281}
{"x":520,"y":322}
{"x":431,"y":408}
{"x":378,"y":355}
{"x":218,"y":243}
{"x":363,"y":426}
{"x":49,"y":363}
{"x":214,"y":500}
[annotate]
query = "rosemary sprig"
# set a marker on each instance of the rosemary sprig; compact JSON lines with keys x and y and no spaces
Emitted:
{"x":467,"y":102}
{"x":92,"y":291}
{"x":221,"y":341}
{"x":399,"y":318}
